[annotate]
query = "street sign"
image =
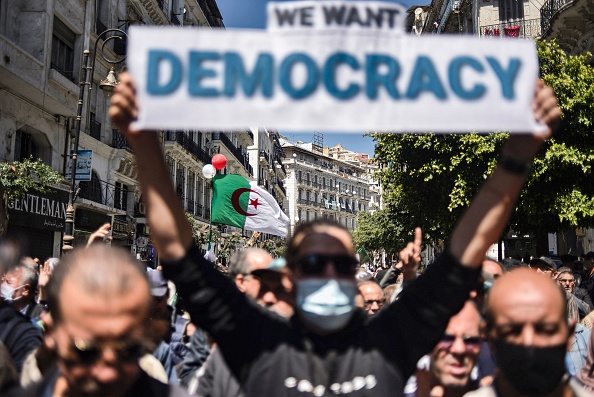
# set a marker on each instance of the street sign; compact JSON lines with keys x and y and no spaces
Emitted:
{"x":84,"y":165}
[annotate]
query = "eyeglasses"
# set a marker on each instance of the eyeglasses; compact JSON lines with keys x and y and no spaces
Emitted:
{"x":472,"y":343}
{"x":316,"y":264}
{"x":378,"y":302}
{"x":87,"y":353}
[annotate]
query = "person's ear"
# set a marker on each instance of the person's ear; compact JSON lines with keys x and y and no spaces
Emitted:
{"x":26,"y":289}
{"x":240,"y":282}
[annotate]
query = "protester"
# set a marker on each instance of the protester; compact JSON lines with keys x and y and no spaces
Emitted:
{"x":160,"y":326}
{"x":215,"y":378}
{"x":578,"y":306}
{"x":453,"y":359}
{"x":99,"y":300}
{"x":373,"y":296}
{"x":586,"y":374}
{"x":19,"y":288}
{"x":327,"y":345}
{"x":527,"y":327}
{"x":493,"y":267}
{"x":545,"y":266}
{"x":17,"y":332}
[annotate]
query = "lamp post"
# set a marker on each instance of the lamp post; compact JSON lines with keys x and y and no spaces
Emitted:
{"x":107,"y":86}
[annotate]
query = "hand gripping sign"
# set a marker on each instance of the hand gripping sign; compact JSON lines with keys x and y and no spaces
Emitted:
{"x":331,"y":79}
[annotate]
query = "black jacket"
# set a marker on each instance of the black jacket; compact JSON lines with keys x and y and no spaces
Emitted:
{"x":371,"y":356}
{"x":18,"y":333}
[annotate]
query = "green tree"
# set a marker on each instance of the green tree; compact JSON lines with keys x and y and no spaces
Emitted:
{"x":19,"y":177}
{"x":379,"y":231}
{"x":430,"y":179}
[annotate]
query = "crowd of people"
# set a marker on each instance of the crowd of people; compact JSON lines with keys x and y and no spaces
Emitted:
{"x":313,"y":323}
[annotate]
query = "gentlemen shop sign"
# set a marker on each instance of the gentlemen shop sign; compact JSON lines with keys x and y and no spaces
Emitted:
{"x":40,"y":210}
{"x":339,"y":78}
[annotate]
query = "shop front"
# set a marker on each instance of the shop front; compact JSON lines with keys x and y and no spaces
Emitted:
{"x":37,"y":221}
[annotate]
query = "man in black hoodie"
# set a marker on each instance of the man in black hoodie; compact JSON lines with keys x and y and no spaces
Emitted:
{"x":328,"y":347}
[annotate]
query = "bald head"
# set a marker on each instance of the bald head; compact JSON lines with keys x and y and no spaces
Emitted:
{"x":100,"y":270}
{"x":524,"y":299}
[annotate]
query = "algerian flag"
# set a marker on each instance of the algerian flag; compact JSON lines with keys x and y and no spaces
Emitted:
{"x":241,"y":203}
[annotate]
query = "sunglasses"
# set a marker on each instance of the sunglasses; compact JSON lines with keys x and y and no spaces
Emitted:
{"x":472,"y":343}
{"x":87,"y":353}
{"x":316,"y":264}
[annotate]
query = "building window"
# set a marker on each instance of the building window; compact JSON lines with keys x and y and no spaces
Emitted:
{"x":510,"y":10}
{"x":63,"y":49}
{"x":32,"y":143}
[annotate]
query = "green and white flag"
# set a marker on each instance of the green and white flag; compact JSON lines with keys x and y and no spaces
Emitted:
{"x":241,"y":203}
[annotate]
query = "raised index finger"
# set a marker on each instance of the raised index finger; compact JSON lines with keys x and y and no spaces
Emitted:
{"x":418,"y":237}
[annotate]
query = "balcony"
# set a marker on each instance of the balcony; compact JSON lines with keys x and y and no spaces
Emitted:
{"x":174,"y":19}
{"x":119,"y":141}
{"x":527,"y":29}
{"x":549,"y":10}
{"x":238,"y":154}
{"x":163,"y":5}
{"x":95,"y":129}
{"x":264,"y":158}
{"x":191,"y":206}
{"x":211,"y":11}
{"x":281,"y":186}
{"x":182,"y":139}
{"x":104,"y":193}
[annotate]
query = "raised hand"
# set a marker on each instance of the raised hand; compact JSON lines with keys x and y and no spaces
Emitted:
{"x":410,"y":257}
{"x":101,"y":234}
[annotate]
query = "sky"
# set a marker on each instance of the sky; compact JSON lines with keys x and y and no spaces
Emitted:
{"x":251,"y":14}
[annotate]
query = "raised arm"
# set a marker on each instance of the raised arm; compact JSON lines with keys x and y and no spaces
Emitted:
{"x":483,"y":222}
{"x":170,"y":230}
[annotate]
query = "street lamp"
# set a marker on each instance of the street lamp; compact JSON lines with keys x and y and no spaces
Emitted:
{"x":107,"y":85}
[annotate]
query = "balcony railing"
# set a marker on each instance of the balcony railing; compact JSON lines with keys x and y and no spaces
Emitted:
{"x":241,"y":157}
{"x":119,"y":141}
{"x":213,"y":20}
{"x":185,"y":142}
{"x":163,"y":6}
{"x":103,"y":193}
{"x":548,"y":11}
{"x":191,"y":208}
{"x":95,"y":129}
{"x":174,"y":19}
{"x":527,"y":29}
{"x":282,"y":187}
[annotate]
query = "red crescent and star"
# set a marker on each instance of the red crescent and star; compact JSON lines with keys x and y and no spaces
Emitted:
{"x":235,"y":201}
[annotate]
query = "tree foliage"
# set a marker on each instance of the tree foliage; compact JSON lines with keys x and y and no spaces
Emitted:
{"x":19,"y":177}
{"x":376,"y":232}
{"x":430,"y":179}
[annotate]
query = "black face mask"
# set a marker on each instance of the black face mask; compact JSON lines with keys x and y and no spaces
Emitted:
{"x":533,"y":371}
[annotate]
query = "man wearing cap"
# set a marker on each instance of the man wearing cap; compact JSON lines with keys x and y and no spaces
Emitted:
{"x":274,"y":293}
{"x":328,"y":347}
{"x":161,"y":325}
{"x":545,"y":266}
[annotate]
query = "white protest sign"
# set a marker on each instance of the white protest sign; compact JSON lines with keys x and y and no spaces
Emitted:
{"x":371,"y":15}
{"x":336,"y":80}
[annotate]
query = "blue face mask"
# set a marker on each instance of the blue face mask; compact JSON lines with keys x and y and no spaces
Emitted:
{"x":326,"y":304}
